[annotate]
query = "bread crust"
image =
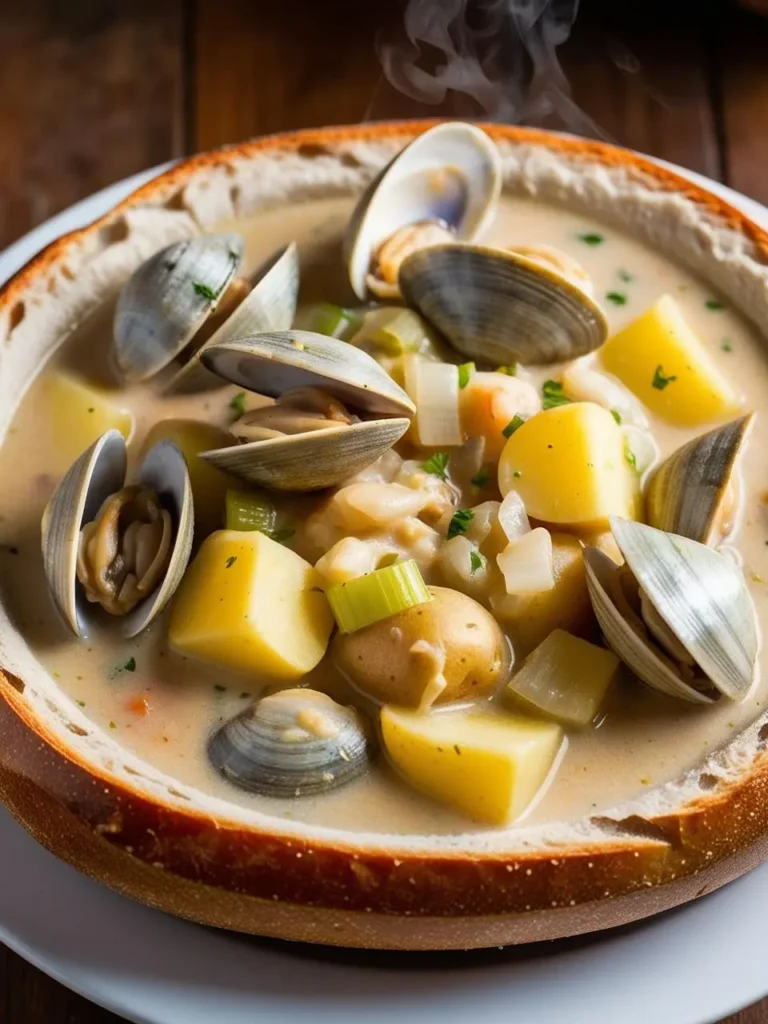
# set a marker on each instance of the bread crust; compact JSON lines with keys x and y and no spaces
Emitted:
{"x":221,"y":872}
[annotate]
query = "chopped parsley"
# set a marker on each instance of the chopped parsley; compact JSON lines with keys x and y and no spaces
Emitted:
{"x":629,"y":455}
{"x":476,"y":562}
{"x":726,"y":346}
{"x":284,"y":533}
{"x":617,"y":298}
{"x":714,"y":304}
{"x":517,"y":474}
{"x":616,"y":415}
{"x":237,"y":404}
{"x":481,"y":479}
{"x":465,"y":372}
{"x":514,"y":424}
{"x":625,"y":276}
{"x":204,"y":291}
{"x":460,"y":522}
{"x":592,"y":238}
{"x":437,"y":464}
{"x":231,"y":561}
{"x":660,"y":380}
{"x":130,"y":665}
{"x":510,"y":370}
{"x":553,"y":394}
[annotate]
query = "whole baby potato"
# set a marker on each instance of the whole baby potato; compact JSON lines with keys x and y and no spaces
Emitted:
{"x":447,"y":650}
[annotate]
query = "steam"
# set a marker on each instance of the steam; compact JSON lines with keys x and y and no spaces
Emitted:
{"x":497,"y":57}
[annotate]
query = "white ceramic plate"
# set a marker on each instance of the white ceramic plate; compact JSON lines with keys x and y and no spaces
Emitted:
{"x":691,"y":966}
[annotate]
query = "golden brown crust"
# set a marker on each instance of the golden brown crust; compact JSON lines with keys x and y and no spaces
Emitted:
{"x":222,"y":873}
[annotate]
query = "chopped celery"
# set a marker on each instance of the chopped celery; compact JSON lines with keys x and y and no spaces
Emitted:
{"x":249,"y":511}
{"x":379,"y":595}
{"x":393,"y":331}
{"x":335,"y":321}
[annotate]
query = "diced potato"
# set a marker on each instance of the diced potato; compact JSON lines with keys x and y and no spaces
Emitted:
{"x":529,"y":618}
{"x":209,"y":484}
{"x":78,"y":413}
{"x":250,"y":604}
{"x":487,"y":767}
{"x":662,"y":361}
{"x":569,"y":466}
{"x":565,"y":677}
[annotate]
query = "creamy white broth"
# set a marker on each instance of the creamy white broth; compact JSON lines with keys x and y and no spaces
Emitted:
{"x":642,"y":739}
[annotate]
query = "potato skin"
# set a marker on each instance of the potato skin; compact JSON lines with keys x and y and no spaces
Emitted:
{"x":378,"y":659}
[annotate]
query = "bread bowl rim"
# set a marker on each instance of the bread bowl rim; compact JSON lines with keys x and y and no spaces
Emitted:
{"x":592,"y":876}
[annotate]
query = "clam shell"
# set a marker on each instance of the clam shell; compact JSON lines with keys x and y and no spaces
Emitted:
{"x":403,"y":193}
{"x":295,"y":742}
{"x":497,"y":306}
{"x":99,"y":472}
{"x":686,"y":493}
{"x":310,"y":461}
{"x":269,"y":306}
{"x":274,"y":363}
{"x":168,"y":298}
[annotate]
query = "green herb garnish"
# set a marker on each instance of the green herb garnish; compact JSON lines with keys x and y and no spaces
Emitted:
{"x":465,"y":372}
{"x":626,"y":276}
{"x":237,"y":404}
{"x":727,"y":346}
{"x":130,"y":665}
{"x":231,"y":561}
{"x":204,"y":291}
{"x":459,"y":522}
{"x":517,"y":474}
{"x":514,"y":424}
{"x":510,"y":370}
{"x":660,"y":381}
{"x":481,"y":479}
{"x":616,"y":415}
{"x":284,"y":533}
{"x":592,"y":238}
{"x":617,"y":298}
{"x":437,"y":464}
{"x":553,"y":394}
{"x":476,"y":562}
{"x":714,"y":304}
{"x":629,"y":455}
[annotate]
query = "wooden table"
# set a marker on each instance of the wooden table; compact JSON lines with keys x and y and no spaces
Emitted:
{"x":93,"y":90}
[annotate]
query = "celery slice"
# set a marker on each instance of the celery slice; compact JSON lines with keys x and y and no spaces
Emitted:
{"x":393,"y":331}
{"x":379,"y":595}
{"x":335,"y":321}
{"x":249,"y":511}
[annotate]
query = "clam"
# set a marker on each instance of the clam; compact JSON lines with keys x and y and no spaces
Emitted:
{"x":296,"y":742}
{"x":269,"y":305}
{"x":444,"y":185}
{"x":498,"y":306}
{"x":314,"y":435}
{"x":121,"y":548}
{"x":694,"y":491}
{"x":677,"y":613}
{"x":168,"y":299}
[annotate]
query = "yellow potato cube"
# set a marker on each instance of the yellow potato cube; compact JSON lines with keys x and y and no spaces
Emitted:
{"x":209,"y":484}
{"x":78,"y":414}
{"x":569,"y":466}
{"x":565,"y":677}
{"x":530,"y":618}
{"x":661,"y":360}
{"x":248,"y":603}
{"x":487,"y":767}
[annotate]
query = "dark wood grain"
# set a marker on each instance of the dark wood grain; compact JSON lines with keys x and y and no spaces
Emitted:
{"x":93,"y":90}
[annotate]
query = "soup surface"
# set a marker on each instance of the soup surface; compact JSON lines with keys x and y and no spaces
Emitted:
{"x":164,"y":707}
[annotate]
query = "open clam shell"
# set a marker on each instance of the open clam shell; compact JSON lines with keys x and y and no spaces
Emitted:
{"x":168,"y":299}
{"x":296,"y":742}
{"x":97,"y":474}
{"x":449,"y":175}
{"x":497,"y":306}
{"x":690,"y":492}
{"x":698,"y":605}
{"x":269,"y":306}
{"x":276,"y":363}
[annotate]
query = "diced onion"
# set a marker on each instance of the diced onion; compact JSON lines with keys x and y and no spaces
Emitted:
{"x":512,"y":516}
{"x":583,"y":383}
{"x":352,"y":557}
{"x":642,"y":445}
{"x":484,"y":516}
{"x":460,"y":569}
{"x":437,"y":404}
{"x":379,"y":595}
{"x":367,"y":504}
{"x":526,"y":563}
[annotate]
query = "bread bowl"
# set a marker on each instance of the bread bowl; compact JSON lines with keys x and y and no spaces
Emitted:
{"x":128,"y":825}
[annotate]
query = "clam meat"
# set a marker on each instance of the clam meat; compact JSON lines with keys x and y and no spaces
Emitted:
{"x":296,"y":742}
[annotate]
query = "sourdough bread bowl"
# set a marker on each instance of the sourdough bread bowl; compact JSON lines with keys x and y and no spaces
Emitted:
{"x":148,"y":836}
